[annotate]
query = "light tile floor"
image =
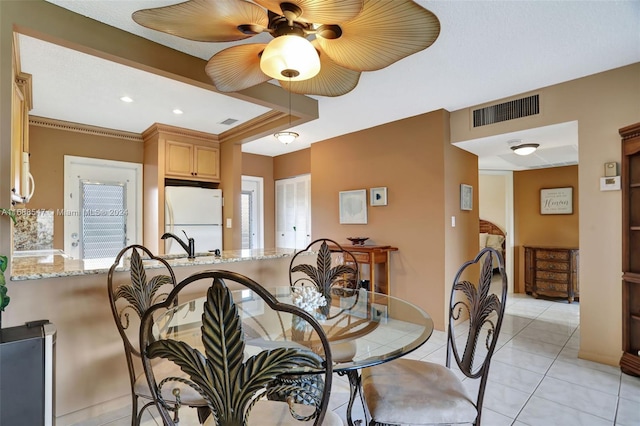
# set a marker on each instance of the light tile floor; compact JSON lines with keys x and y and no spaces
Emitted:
{"x":536,"y":377}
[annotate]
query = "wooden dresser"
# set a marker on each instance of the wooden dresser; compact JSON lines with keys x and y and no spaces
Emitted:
{"x":551,"y":271}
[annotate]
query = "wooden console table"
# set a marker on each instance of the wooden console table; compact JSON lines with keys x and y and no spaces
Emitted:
{"x":373,"y":256}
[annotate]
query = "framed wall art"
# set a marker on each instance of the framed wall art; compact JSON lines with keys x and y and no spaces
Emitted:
{"x":466,"y":197}
{"x":353,"y":206}
{"x":556,"y":200}
{"x":378,"y":196}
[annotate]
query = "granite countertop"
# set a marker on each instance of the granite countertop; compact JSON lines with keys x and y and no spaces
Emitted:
{"x":54,"y":264}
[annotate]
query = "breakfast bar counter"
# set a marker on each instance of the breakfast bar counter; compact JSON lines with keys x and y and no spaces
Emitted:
{"x":40,"y":264}
{"x":90,"y":368}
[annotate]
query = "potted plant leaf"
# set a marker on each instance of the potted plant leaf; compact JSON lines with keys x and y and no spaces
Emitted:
{"x":4,"y":299}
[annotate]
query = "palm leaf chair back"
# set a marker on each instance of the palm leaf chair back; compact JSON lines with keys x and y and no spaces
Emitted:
{"x":475,"y":318}
{"x":231,"y":381}
{"x":335,"y":269}
{"x":130,"y":298}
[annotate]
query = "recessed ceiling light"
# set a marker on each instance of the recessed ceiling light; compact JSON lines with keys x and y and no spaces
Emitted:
{"x":177,"y":111}
{"x":126,"y":99}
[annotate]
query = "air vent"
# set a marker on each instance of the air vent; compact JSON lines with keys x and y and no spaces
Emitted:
{"x":228,"y":121}
{"x":511,"y":110}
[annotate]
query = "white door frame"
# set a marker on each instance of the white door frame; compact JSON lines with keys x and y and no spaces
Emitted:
{"x":509,"y":223}
{"x":77,"y":169}
{"x":255,"y":185}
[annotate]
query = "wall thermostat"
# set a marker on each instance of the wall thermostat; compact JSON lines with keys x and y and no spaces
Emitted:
{"x":611,"y":169}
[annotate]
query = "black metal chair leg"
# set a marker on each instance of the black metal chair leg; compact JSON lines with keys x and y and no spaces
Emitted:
{"x":354,"y":387}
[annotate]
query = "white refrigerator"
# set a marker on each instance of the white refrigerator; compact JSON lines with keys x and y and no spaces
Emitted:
{"x":196,"y":212}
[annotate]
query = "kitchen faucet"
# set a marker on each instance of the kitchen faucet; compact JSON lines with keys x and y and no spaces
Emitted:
{"x":190,"y":248}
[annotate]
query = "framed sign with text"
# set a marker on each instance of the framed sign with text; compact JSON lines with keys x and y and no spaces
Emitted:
{"x":556,"y":201}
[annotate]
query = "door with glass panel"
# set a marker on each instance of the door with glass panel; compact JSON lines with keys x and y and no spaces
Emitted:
{"x":252,"y":212}
{"x":102,"y":207}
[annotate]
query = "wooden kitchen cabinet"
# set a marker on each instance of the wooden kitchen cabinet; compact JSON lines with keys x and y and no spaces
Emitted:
{"x":552,"y":272}
{"x":192,"y":161}
{"x":171,"y":155}
{"x":630,"y":185}
{"x":21,"y":103}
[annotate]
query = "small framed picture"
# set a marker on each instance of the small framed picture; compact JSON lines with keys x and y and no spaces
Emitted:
{"x":353,"y":206}
{"x":466,"y":197}
{"x":378,"y":196}
{"x":556,"y":200}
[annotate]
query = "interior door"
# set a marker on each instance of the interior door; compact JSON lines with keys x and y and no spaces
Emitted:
{"x":252,"y":212}
{"x":102,"y":206}
{"x":293,"y":212}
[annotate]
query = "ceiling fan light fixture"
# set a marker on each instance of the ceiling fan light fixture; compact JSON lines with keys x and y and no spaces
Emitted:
{"x":525,"y":148}
{"x":286,"y":137}
{"x":290,"y":57}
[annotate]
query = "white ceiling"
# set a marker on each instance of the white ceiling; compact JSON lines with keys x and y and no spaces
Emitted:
{"x":486,"y":50}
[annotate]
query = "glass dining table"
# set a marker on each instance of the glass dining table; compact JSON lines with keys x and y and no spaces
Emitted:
{"x":364,"y":328}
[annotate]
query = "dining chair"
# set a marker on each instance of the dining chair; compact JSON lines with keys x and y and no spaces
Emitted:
{"x":414,"y":392}
{"x":233,"y":378}
{"x":328,"y":267}
{"x":129,"y":299}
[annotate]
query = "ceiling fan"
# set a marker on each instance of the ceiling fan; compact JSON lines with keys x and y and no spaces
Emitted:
{"x":342,"y":39}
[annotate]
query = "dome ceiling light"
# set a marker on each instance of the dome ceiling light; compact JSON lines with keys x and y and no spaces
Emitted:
{"x":520,"y":148}
{"x":286,"y":137}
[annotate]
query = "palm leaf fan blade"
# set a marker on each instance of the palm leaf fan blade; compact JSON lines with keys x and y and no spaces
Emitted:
{"x":385,"y":32}
{"x":204,"y":20}
{"x":236,"y":68}
{"x":332,"y":80}
{"x":319,"y":12}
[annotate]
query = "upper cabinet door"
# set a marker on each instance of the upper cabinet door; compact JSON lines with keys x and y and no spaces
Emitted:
{"x":179,"y":159}
{"x":206,"y":160}
{"x":192,"y":161}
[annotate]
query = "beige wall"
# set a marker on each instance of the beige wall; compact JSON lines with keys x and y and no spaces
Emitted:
{"x":294,"y":164}
{"x":48,"y":148}
{"x":259,"y":165}
{"x":601,"y":104}
{"x":492,"y":195}
{"x":533,"y":228}
{"x":417,"y":217}
{"x":231,"y":185}
{"x":461,"y":241}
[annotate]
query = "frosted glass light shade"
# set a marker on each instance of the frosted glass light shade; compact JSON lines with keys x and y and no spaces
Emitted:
{"x":525,"y":149}
{"x":290,"y":57}
{"x":286,"y":137}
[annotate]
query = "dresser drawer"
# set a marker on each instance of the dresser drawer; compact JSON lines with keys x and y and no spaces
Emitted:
{"x":552,"y":254}
{"x":562,"y":277}
{"x":553,"y":266}
{"x":551,"y":288}
{"x":361,"y":257}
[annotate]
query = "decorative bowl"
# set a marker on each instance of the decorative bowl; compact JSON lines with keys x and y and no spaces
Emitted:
{"x":357,"y":240}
